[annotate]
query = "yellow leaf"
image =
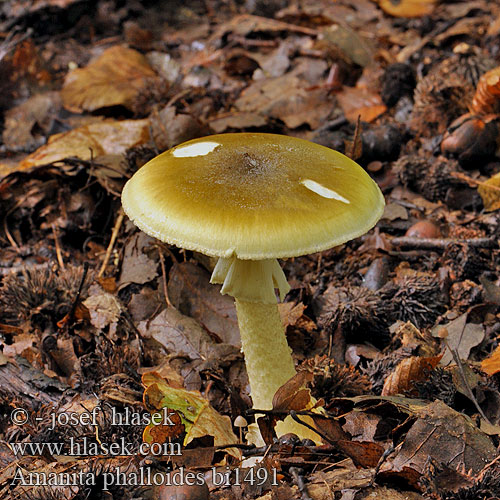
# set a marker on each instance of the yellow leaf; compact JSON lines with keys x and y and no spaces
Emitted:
{"x":107,"y":137}
{"x":407,"y":8}
{"x":197,"y":416}
{"x":490,"y":193}
{"x":114,"y":79}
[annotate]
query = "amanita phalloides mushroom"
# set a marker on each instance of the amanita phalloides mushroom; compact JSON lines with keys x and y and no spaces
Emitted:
{"x":250,"y":199}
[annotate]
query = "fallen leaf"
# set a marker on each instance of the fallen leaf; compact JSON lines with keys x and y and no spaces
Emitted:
{"x":490,"y":193}
{"x":137,"y":267}
{"x":19,"y":9}
{"x":445,"y":435}
{"x":294,"y":395}
{"x":245,"y":24}
{"x":169,"y":128}
{"x":409,"y":371}
{"x":4,"y":359}
{"x":361,"y":102}
{"x":197,"y":416}
{"x":21,"y":344}
{"x":104,"y":310}
{"x":461,"y":337}
{"x":393,"y":211}
{"x":237,"y":121}
{"x":190,"y":291}
{"x":19,"y":129}
{"x":323,"y":485}
{"x":183,"y":336}
{"x":105,"y":137}
{"x":290,"y":313}
{"x":362,"y":453}
{"x":407,"y":8}
{"x":286,"y":98}
{"x":115,"y":78}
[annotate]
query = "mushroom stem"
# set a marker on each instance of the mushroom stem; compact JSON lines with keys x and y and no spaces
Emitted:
{"x":267,"y":356}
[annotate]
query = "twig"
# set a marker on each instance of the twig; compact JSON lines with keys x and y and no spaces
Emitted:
{"x":429,"y":243}
{"x":352,"y":153}
{"x":295,"y":417}
{"x":11,"y":239}
{"x":59,"y":255}
{"x":114,"y":235}
{"x":298,"y":477}
{"x":474,"y":182}
{"x":164,"y":277}
{"x":459,"y":364}
{"x":69,"y":317}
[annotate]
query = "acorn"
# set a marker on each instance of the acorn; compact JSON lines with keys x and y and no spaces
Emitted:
{"x":472,"y":139}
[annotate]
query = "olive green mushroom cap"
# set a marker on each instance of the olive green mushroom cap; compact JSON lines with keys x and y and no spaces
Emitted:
{"x":253,"y":196}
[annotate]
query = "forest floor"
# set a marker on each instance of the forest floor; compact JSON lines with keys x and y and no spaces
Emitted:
{"x":395,"y":333}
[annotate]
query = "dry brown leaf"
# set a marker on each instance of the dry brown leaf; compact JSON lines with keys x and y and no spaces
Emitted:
{"x":490,"y":193}
{"x":407,"y":373}
{"x":407,"y":8}
{"x":491,"y":364}
{"x":19,"y":128}
{"x":346,"y":477}
{"x":460,"y":336}
{"x":294,"y":395}
{"x":104,"y":310}
{"x":286,"y":98}
{"x":237,"y":121}
{"x":137,"y":267}
{"x":116,"y":78}
{"x":290,"y":312}
{"x":445,"y":435}
{"x":183,"y":336}
{"x":360,"y":102}
{"x":21,"y":344}
{"x":170,"y":128}
{"x":190,"y":291}
{"x":494,"y":28}
{"x":491,"y":291}
{"x":106,"y":137}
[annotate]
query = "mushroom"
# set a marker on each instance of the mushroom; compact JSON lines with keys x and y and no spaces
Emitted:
{"x":249,"y":199}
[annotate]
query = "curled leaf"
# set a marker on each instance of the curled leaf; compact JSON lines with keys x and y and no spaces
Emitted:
{"x":116,"y":78}
{"x":197,"y":416}
{"x":407,"y":373}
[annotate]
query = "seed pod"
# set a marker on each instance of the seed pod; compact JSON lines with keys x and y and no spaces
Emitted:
{"x":424,"y":229}
{"x":487,"y":97}
{"x":471,"y":139}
